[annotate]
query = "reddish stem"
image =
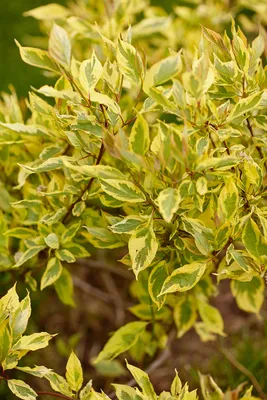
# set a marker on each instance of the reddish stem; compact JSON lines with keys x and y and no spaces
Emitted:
{"x":61,"y":396}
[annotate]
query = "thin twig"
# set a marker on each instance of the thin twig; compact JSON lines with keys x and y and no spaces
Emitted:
{"x":124,"y":273}
{"x":87,"y":288}
{"x":116,"y":295}
{"x":88,"y":186}
{"x":93,"y":291}
{"x":244,"y":371}
{"x":61,"y":396}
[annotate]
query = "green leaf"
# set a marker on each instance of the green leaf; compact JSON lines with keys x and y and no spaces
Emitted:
{"x":33,"y":342}
{"x":38,"y":371}
{"x":122,"y":340}
{"x":21,"y":389}
{"x":184,"y":278}
{"x":37,"y":57}
{"x":143,"y":247}
{"x":228,"y":200}
{"x":70,"y":232}
{"x":156,"y":280}
{"x":253,"y":240}
{"x":147,"y":312}
{"x":211,"y":317}
{"x":52,"y":241}
{"x":90,"y":72}
{"x":168,"y":201}
{"x":129,"y":62}
{"x":127,"y":225}
{"x":124,"y":392}
{"x":96,"y":171}
{"x":21,"y":233}
{"x":184,"y":314}
{"x":28,"y":254}
{"x":139,"y":139}
{"x":202,"y":185}
{"x":176,"y":385}
{"x":86,"y":392}
{"x":48,"y":165}
{"x":103,"y":238}
{"x":52,"y":273}
{"x":249,"y":295}
{"x":162,"y":72}
{"x":5,"y":340}
{"x":210,"y":390}
{"x":64,"y":288}
{"x":59,"y":384}
{"x":74,"y":372}
{"x":244,"y":106}
{"x":122,"y":190}
{"x":59,"y":46}
{"x":76,"y":250}
{"x":9,"y":303}
{"x":31,"y":130}
{"x":223,"y":163}
{"x":19,"y":318}
{"x":65,"y":255}
{"x":78,"y":208}
{"x":142,"y":379}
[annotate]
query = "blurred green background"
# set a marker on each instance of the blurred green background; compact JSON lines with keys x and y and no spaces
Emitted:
{"x":14,"y":25}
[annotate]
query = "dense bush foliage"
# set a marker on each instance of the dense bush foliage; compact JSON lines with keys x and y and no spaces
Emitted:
{"x":143,"y":146}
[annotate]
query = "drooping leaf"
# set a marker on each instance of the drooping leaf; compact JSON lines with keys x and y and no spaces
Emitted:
{"x":253,"y":239}
{"x":184,"y":314}
{"x":33,"y":342}
{"x":184,"y":278}
{"x":122,"y":340}
{"x":249,"y":295}
{"x":38,"y":58}
{"x":52,"y":272}
{"x":21,"y":389}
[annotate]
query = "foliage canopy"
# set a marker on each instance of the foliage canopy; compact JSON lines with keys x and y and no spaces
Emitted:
{"x":160,"y":153}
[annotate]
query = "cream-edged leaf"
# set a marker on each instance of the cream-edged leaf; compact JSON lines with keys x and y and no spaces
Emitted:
{"x":60,"y":46}
{"x":74,"y":372}
{"x":122,"y":340}
{"x":90,"y":72}
{"x":21,"y":389}
{"x":122,"y":190}
{"x":52,"y":272}
{"x":129,"y":62}
{"x":184,"y":278}
{"x":139,"y":139}
{"x":168,"y":201}
{"x":143,"y":247}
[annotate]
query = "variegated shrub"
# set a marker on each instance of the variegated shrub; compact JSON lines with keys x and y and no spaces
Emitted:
{"x":162,"y":155}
